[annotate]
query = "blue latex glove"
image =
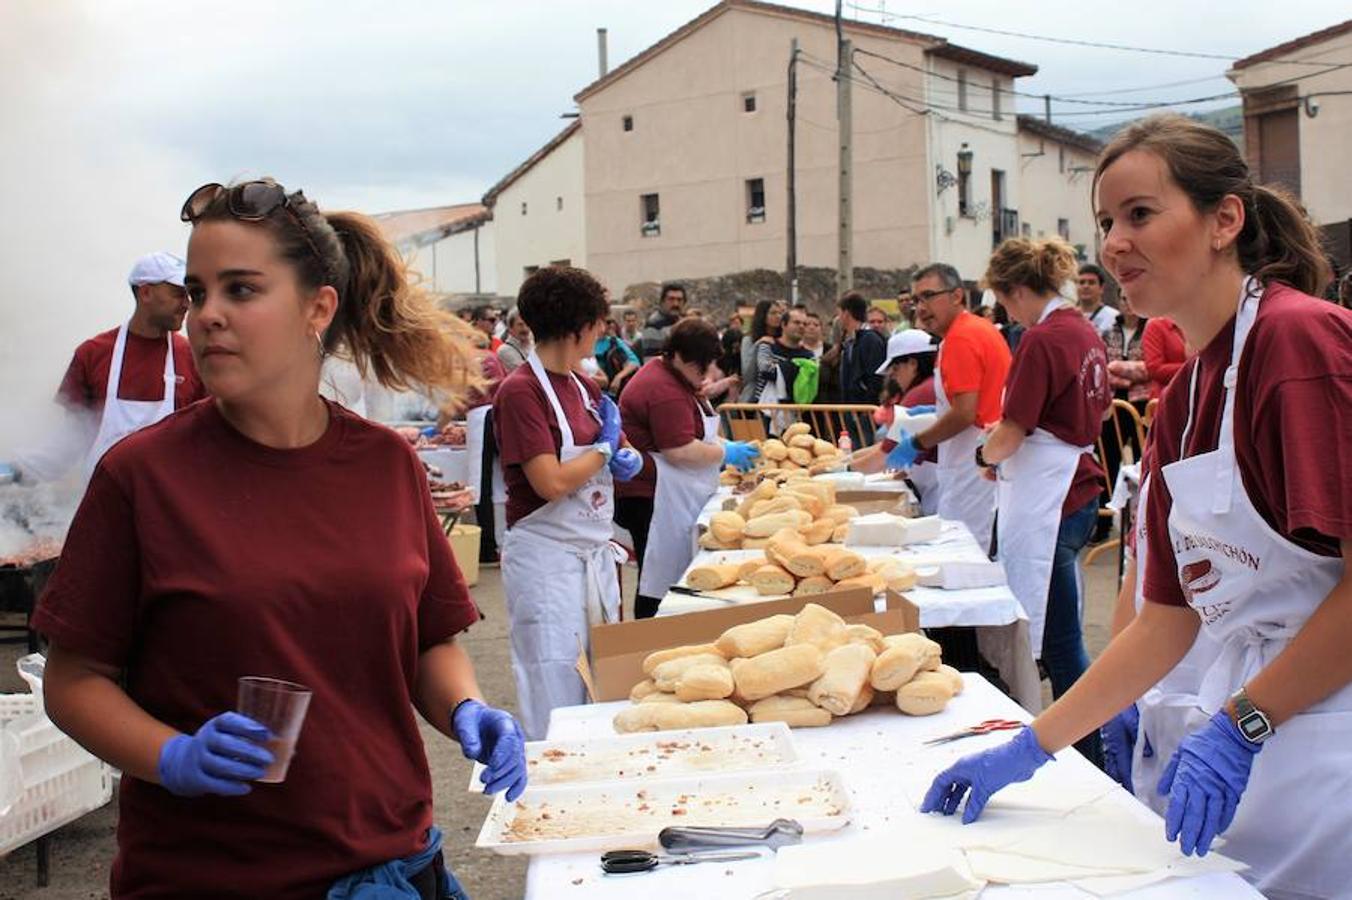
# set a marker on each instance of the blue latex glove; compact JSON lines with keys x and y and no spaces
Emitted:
{"x":922,"y":410}
{"x":1119,"y":742}
{"x":610,"y":424}
{"x":492,"y":737}
{"x":739,"y":454}
{"x":625,"y":464}
{"x":904,"y":454}
{"x":985,"y":773}
{"x":224,"y":754}
{"x":1204,"y":782}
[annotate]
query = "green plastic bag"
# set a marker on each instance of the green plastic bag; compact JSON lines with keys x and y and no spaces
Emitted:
{"x":805,"y":385}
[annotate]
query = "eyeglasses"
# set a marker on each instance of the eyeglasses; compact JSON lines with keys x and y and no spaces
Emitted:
{"x":252,"y":201}
{"x":927,"y":296}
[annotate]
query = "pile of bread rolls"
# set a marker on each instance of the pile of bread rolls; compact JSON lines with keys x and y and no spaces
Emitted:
{"x":794,"y":451}
{"x":805,"y":670}
{"x":803,"y":506}
{"x":792,"y":566}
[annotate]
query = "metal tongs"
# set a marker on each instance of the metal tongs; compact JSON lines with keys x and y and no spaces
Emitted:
{"x":684,"y":839}
{"x":625,"y":862}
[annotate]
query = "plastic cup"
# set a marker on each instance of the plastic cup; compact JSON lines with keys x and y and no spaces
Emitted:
{"x":280,"y":706}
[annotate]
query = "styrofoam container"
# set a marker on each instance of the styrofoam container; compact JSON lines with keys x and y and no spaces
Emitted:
{"x":658,"y":754}
{"x":59,"y":781}
{"x":626,"y":814}
{"x":905,"y":423}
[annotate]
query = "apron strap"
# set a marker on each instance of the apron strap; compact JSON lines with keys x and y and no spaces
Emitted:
{"x":565,"y":430}
{"x":1227,"y":468}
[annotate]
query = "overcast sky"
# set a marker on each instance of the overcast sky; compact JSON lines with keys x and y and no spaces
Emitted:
{"x":113,"y":110}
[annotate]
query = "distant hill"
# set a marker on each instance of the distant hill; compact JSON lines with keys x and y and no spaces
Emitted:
{"x":1230,"y":120}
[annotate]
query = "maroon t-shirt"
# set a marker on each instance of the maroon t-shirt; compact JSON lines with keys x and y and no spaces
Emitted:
{"x":1058,"y":382}
{"x":525,"y":426}
{"x":660,"y":411}
{"x":85,"y":384}
{"x":922,"y":394}
{"x":198,"y":556}
{"x":1293,"y":434}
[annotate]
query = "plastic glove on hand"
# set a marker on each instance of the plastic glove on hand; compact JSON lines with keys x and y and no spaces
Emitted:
{"x":923,"y":409}
{"x":610,"y":424}
{"x":625,"y":464}
{"x":904,"y":454}
{"x":739,"y":454}
{"x":224,"y":754}
{"x":983,"y":774}
{"x":1204,"y":781}
{"x":1119,"y":742}
{"x":492,"y":737}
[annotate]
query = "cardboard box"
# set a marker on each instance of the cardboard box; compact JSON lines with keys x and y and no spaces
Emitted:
{"x":869,"y":502}
{"x":618,"y":651}
{"x":465,"y":546}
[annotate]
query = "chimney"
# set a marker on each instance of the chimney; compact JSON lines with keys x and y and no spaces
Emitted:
{"x":601,"y":65}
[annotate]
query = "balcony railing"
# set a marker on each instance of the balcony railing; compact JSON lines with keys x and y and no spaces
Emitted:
{"x":1006,"y":226}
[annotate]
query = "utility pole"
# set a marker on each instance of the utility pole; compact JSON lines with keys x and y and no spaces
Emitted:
{"x":844,"y":116}
{"x":1047,"y":107}
{"x":791,"y":264}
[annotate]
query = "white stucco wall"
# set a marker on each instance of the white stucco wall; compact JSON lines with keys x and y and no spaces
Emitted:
{"x":544,"y":233}
{"x":447,"y":266}
{"x":1055,"y":184}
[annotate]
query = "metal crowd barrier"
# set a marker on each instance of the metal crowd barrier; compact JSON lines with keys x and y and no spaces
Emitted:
{"x":756,"y":421}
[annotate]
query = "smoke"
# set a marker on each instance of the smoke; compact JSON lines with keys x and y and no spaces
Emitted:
{"x":82,"y":194}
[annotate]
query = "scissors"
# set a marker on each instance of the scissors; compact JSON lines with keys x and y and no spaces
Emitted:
{"x":985,"y":727}
{"x":623,"y":862}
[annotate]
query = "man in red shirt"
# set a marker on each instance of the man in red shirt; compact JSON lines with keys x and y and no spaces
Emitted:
{"x":139,"y":352}
{"x":485,"y":318}
{"x":973,"y":362}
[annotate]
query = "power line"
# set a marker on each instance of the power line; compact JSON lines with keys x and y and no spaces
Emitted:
{"x":1147,"y":87}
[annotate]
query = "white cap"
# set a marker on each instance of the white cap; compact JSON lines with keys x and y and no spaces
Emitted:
{"x":157,"y":268}
{"x":907,"y":342}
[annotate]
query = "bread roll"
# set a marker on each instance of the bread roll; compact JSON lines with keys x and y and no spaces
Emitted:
{"x":929,"y":650}
{"x":800,"y":440}
{"x":845,"y":671}
{"x":708,"y":541}
{"x":800,"y":559}
{"x":865,"y":634}
{"x":704,"y":683}
{"x":668,"y":674}
{"x":641,"y":690}
{"x":842,"y":563}
{"x":837,"y":535}
{"x":824,"y":448}
{"x":898,"y":664}
{"x":777,"y":504}
{"x":775,"y":671}
{"x":727,"y":526}
{"x":933,"y":656}
{"x":796,"y":429}
{"x":774,"y":449}
{"x":799,"y":456}
{"x":898,"y":575}
{"x":954,"y":678}
{"x":764,"y":526}
{"x":712,"y":577}
{"x":823,"y":490}
{"x":924,"y":695}
{"x":819,"y":532}
{"x":755,"y":638}
{"x":813,"y":584}
{"x":755,"y":544}
{"x":795,"y":475}
{"x":771,"y":579}
{"x":839,"y":514}
{"x":653,"y":660}
{"x":671,"y":716}
{"x":866,"y":695}
{"x":870,"y":580}
{"x":796,"y":712}
{"x":818,"y":626}
{"x":660,"y":697}
{"x":810,"y":502}
{"x":788,"y":465}
{"x":744,"y":573}
{"x":763,"y":491}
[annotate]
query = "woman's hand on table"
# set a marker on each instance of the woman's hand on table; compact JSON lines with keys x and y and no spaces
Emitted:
{"x":1119,"y":742}
{"x":221,"y":758}
{"x":492,"y":737}
{"x":980,"y":775}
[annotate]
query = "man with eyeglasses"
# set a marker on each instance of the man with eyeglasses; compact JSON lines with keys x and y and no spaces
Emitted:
{"x":1089,"y":286}
{"x":969,"y":379}
{"x":485,"y":319}
{"x":122,"y":380}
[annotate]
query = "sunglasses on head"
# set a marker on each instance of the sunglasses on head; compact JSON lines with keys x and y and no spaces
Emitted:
{"x":252,"y":201}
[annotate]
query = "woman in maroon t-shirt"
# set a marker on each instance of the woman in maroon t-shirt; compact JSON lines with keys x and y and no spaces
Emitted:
{"x":1055,"y":399}
{"x":272,"y":533}
{"x":1248,"y":524}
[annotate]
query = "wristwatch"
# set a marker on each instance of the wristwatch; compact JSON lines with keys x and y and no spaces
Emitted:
{"x":605,"y":450}
{"x":981,"y":458}
{"x":1251,"y":721}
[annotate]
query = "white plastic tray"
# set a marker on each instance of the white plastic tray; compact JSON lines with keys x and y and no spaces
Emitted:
{"x":661,"y":754}
{"x":630,"y":814}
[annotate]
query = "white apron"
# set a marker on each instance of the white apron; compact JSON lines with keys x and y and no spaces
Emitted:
{"x":558,"y":574}
{"x":1254,"y":590}
{"x":964,"y":495}
{"x":681,"y":494}
{"x":122,"y":417}
{"x":1169,"y":710}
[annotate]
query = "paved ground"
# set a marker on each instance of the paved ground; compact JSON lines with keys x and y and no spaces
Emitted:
{"x":83,"y":850}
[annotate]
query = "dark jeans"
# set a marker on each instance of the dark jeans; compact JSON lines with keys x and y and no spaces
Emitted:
{"x":436,"y":882}
{"x":1063,"y":653}
{"x":635,"y":515}
{"x":484,"y":512}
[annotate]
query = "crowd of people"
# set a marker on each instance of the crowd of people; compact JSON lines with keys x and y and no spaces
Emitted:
{"x":238,"y":521}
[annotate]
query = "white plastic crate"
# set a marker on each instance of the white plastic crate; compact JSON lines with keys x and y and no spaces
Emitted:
{"x":59,"y":780}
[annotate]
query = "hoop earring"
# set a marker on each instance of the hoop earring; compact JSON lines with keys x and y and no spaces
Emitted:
{"x":320,"y":341}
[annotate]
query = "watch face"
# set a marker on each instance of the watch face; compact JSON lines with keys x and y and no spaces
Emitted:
{"x":1253,"y":727}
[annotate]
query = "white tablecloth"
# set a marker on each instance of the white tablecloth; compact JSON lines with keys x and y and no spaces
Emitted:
{"x":1002,"y":634}
{"x":886,"y":770}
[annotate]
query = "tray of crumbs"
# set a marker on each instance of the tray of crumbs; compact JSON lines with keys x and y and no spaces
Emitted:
{"x":572,"y":818}
{"x":661,"y":754}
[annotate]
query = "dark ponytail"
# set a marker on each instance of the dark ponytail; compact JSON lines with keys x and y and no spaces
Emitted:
{"x":1278,"y":241}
